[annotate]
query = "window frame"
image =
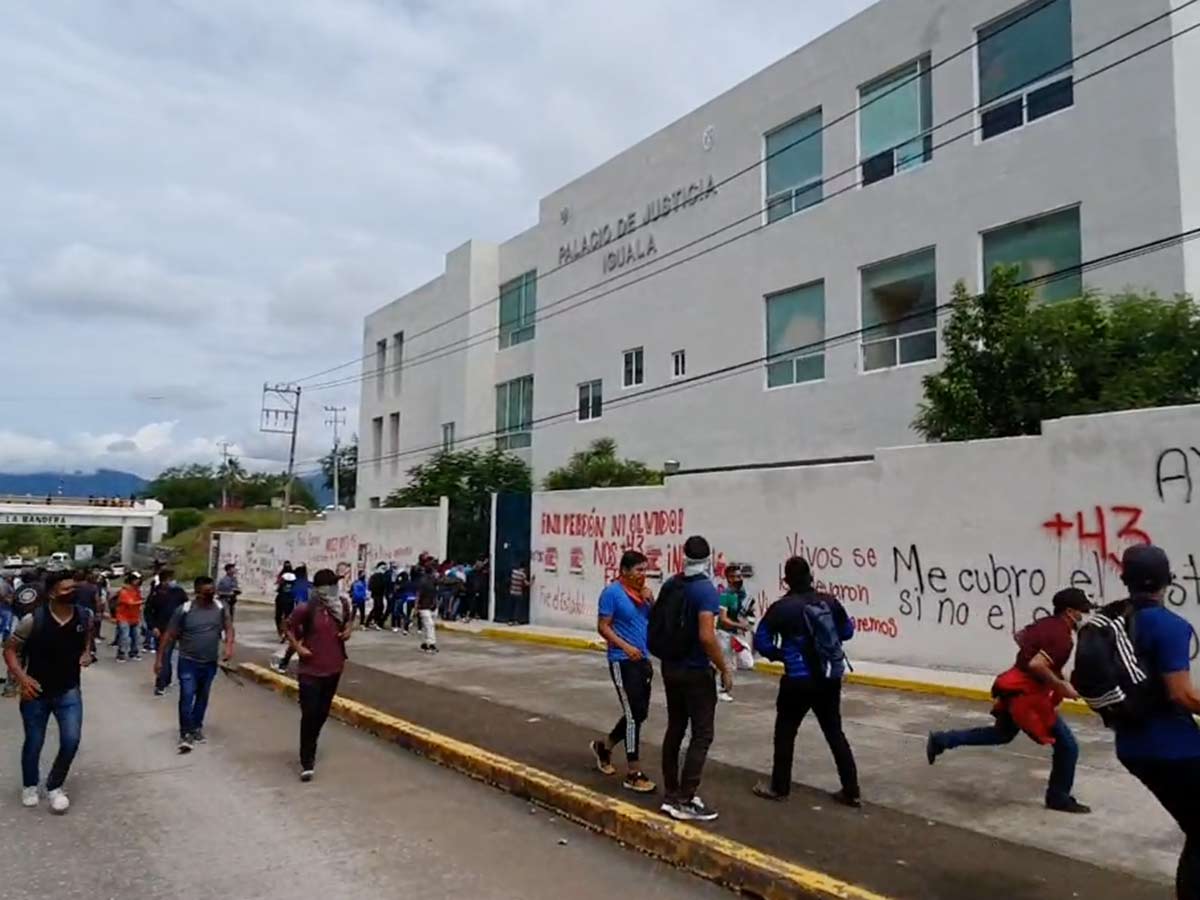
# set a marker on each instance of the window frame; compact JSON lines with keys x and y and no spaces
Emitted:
{"x":770,"y":200}
{"x":381,"y":355}
{"x":639,"y":368}
{"x":768,"y":363}
{"x":863,"y":343}
{"x":983,"y":271}
{"x":509,"y":437}
{"x":678,"y":364}
{"x":377,"y":440}
{"x":393,"y":426}
{"x":1023,"y":93}
{"x":924,"y":65}
{"x":524,"y":327}
{"x":447,"y":436}
{"x":595,"y":400}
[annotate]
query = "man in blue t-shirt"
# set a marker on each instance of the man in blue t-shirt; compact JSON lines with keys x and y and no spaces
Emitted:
{"x":691,"y":690}
{"x":1163,"y":750}
{"x":624,"y":616}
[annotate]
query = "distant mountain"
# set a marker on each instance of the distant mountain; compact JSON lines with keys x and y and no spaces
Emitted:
{"x":101,"y":483}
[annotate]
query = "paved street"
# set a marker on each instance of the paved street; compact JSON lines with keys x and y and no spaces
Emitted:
{"x":231,"y":821}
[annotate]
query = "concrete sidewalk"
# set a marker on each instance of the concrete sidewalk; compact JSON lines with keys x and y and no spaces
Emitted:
{"x":935,"y":830}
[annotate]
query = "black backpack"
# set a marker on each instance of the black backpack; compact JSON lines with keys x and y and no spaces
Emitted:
{"x":1108,"y":674}
{"x":674,"y":629}
{"x":824,"y":653}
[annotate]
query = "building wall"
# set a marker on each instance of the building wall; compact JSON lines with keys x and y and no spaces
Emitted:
{"x":344,"y":542}
{"x":940,"y":552}
{"x":713,"y":306}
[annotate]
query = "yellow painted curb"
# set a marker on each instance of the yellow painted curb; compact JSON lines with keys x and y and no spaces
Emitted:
{"x":710,"y":856}
{"x":1074,"y":707}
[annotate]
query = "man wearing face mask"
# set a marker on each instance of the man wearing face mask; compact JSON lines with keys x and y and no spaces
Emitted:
{"x":318,"y":632}
{"x":198,"y":626}
{"x":1027,"y":696}
{"x":159,"y":610}
{"x":624,"y":616}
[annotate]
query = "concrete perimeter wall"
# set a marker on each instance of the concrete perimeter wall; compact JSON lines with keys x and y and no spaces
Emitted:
{"x":941,"y":552}
{"x":343,"y":541}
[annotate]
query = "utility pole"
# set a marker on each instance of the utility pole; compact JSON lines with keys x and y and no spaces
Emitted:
{"x":337,"y":416}
{"x":224,"y":445}
{"x":281,"y":415}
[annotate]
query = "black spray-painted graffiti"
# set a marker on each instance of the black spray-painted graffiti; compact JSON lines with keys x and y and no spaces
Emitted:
{"x":1174,"y":467}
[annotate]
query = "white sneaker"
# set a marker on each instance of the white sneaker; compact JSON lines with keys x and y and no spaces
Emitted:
{"x":725,"y":696}
{"x":29,"y":797}
{"x":395,"y":631}
{"x":58,"y":801}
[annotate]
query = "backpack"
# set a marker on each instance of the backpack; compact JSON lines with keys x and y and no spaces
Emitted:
{"x":1108,"y":675}
{"x":674,"y":630}
{"x":310,"y":613}
{"x":823,"y":651}
{"x":86,"y":620}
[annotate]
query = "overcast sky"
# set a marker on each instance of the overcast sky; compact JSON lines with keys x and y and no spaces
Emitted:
{"x":201,"y":195}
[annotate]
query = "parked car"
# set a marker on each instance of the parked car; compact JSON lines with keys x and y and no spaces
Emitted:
{"x":13,"y":562}
{"x":117,"y":570}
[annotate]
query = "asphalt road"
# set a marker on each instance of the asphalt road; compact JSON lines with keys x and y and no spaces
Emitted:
{"x":232,"y":821}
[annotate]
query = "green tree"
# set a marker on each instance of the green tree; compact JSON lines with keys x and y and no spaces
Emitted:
{"x":1011,"y":362}
{"x":194,"y":485}
{"x":347,"y":472}
{"x":599,"y":466}
{"x":468,"y":478}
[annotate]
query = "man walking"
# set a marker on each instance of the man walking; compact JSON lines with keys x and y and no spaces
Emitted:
{"x":87,"y":595}
{"x":1027,"y":696}
{"x":1162,"y":748}
{"x":804,"y":630}
{"x":228,"y":590}
{"x":160,"y":609}
{"x":128,"y":618}
{"x":623,"y":621}
{"x":45,"y":654}
{"x":427,"y":600}
{"x":689,"y":604}
{"x":733,"y":625}
{"x":318,"y":633}
{"x":377,"y":586}
{"x":198,"y":626}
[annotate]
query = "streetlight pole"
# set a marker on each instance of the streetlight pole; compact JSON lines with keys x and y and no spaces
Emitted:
{"x":337,"y":416}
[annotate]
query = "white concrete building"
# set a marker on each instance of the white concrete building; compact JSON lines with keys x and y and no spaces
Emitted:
{"x":996,"y":137}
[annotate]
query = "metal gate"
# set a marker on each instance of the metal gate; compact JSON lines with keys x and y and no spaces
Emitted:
{"x":512,"y":549}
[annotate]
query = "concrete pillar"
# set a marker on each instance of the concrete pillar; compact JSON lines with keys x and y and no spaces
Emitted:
{"x":128,"y":539}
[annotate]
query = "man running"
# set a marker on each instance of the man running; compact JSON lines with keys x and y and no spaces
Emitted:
{"x":198,"y":626}
{"x":1027,"y":697}
{"x":624,"y":616}
{"x":45,"y":654}
{"x":228,"y":589}
{"x":318,"y":632}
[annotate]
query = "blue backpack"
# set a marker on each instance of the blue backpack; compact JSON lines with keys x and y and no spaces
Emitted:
{"x":824,"y":653}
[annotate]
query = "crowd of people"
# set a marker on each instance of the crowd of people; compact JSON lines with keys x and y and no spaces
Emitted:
{"x":701,"y":635}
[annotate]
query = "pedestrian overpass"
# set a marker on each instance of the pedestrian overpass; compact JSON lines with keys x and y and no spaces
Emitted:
{"x":63,"y":512}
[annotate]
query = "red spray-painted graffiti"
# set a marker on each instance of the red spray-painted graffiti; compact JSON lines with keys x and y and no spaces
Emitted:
{"x":1096,"y":537}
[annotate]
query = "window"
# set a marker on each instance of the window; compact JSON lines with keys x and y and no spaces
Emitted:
{"x":591,"y":402}
{"x":678,"y":363}
{"x":1039,"y":247}
{"x":633,"y":373}
{"x":794,"y":161}
{"x":895,"y":121}
{"x":518,"y":306}
{"x":397,"y":358}
{"x":795,"y":332}
{"x":374,"y":503}
{"x":899,"y":311}
{"x":1025,"y":66}
{"x":514,"y":413}
{"x":377,"y":441}
{"x":380,"y":365}
{"x":448,"y":436}
{"x":394,"y":440}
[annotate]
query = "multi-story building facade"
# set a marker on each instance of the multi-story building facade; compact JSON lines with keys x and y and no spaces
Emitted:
{"x":916,"y":145}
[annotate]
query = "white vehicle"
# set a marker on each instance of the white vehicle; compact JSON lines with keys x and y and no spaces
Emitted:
{"x":60,"y":558}
{"x":13,"y":562}
{"x":118,"y":570}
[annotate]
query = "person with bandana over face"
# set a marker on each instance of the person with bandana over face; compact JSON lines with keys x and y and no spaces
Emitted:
{"x":1027,"y":697}
{"x":318,"y":632}
{"x":624,"y":615}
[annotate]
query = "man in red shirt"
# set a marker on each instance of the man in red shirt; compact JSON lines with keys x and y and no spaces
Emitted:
{"x":318,"y":632}
{"x":1027,"y":696}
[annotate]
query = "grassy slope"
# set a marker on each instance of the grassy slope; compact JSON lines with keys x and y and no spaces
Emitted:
{"x":193,"y":543}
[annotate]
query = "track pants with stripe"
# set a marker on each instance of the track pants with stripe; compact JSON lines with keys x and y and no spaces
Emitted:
{"x":632,"y":681}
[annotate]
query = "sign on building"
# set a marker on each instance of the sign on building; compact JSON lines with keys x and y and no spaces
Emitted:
{"x":83,"y":552}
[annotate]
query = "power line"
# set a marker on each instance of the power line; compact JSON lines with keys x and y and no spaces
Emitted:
{"x":553,"y":309}
{"x":1029,"y":13}
{"x":743,"y":366}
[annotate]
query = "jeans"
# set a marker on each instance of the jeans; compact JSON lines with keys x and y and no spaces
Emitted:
{"x":195,"y":681}
{"x":164,"y":676}
{"x":796,"y":697}
{"x":316,"y":698}
{"x":632,"y":681}
{"x":1176,"y":784}
{"x":400,"y":613}
{"x":67,"y":710}
{"x":127,"y":639}
{"x":6,"y":625}
{"x":378,"y":611}
{"x":1062,"y":765}
{"x":691,"y":700}
{"x":359,"y":609}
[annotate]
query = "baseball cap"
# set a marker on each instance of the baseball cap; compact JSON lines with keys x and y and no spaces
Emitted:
{"x":696,"y":548}
{"x":1145,"y":567}
{"x":1072,"y":598}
